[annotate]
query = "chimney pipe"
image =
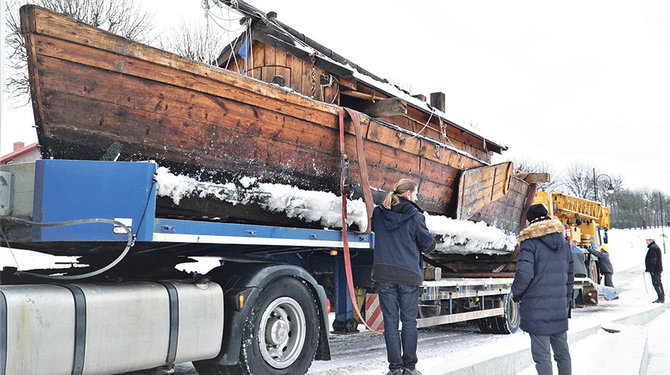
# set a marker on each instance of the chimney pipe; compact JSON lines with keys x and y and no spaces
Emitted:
{"x":437,"y":100}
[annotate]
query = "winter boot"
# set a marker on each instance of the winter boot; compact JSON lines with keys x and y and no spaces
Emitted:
{"x":397,"y":371}
{"x":411,"y":372}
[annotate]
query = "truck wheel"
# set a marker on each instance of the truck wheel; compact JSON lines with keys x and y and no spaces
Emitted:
{"x":281,"y":333}
{"x":593,"y":271}
{"x":484,"y":325}
{"x":509,"y":322}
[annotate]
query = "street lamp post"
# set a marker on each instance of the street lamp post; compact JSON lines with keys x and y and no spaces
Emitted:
{"x":610,"y":188}
{"x":660,"y":203}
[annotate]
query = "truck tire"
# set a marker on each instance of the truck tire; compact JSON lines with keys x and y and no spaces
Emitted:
{"x":485,"y":325}
{"x":594,"y":273}
{"x":509,"y":322}
{"x":281,"y":333}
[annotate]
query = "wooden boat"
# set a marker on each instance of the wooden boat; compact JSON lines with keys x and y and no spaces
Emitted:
{"x":92,"y":89}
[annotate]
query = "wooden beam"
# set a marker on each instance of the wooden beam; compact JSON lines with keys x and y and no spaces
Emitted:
{"x":385,"y":108}
{"x":361,"y":95}
{"x":536,"y":178}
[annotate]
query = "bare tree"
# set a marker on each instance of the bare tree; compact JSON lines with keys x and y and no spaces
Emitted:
{"x":579,"y":181}
{"x":199,"y":43}
{"x":122,"y":17}
{"x":538,"y":166}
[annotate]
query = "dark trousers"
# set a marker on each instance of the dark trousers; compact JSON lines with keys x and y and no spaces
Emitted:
{"x":656,"y":282}
{"x":400,"y":302}
{"x":540,"y":348}
{"x":608,"y":279}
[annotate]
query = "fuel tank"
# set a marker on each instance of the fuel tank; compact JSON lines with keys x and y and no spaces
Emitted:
{"x":107,"y":328}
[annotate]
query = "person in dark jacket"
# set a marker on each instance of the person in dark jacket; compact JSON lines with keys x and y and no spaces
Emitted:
{"x":604,"y":263}
{"x":654,"y":265}
{"x":401,"y":236}
{"x":579,"y":260}
{"x":543,"y":285}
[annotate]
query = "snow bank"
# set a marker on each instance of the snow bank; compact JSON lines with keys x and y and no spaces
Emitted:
{"x":462,"y":237}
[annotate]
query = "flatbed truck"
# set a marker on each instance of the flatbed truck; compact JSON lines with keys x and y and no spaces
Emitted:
{"x":124,"y":307}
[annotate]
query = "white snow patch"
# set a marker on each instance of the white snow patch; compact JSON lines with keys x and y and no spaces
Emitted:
{"x":459,"y":236}
{"x":473,"y":237}
{"x":311,"y":206}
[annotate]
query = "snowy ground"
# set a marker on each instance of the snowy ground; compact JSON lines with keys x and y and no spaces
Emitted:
{"x":451,"y":349}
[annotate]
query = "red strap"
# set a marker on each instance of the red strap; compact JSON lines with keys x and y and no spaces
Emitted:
{"x":345,"y":239}
{"x":362,"y":164}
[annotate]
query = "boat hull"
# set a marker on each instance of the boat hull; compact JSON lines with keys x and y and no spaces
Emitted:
{"x":91,"y":88}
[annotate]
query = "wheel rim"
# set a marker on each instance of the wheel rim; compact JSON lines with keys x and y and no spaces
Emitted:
{"x":513,"y":312}
{"x":282,"y":332}
{"x":594,"y":273}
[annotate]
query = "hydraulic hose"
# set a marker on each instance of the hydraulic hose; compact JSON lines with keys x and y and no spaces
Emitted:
{"x":129,"y":244}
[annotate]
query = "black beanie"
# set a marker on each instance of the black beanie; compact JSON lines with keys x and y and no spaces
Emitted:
{"x":536,"y":212}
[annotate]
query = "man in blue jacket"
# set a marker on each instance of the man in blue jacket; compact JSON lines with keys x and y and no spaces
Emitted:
{"x":401,"y":236}
{"x":543,"y":285}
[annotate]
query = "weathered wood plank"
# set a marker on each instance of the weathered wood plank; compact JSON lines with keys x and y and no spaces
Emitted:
{"x":385,"y":135}
{"x":362,"y":95}
{"x":438,"y":172}
{"x":258,"y":60}
{"x":506,"y":213}
{"x":480,"y":186}
{"x":437,"y":197}
{"x":185,"y":141}
{"x":131,"y":67}
{"x":386,"y":157}
{"x":127,"y":53}
{"x":182,"y":103}
{"x":385,"y":108}
{"x":535,"y":178}
{"x":295,"y":65}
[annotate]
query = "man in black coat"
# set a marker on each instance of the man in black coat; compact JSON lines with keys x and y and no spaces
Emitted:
{"x":654,"y":265}
{"x":543,"y":285}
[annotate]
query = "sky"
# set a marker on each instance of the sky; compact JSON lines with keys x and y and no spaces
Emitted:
{"x":562,"y":83}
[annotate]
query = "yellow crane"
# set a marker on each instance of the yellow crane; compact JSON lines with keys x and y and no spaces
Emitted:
{"x":587,"y":222}
{"x":583,"y":218}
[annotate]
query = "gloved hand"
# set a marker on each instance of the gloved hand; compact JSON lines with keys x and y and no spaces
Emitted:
{"x":516,"y":298}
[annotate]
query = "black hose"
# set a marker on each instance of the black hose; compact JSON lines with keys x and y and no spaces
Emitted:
{"x":106,"y":268}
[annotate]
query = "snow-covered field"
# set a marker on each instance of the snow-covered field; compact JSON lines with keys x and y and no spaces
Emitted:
{"x":450,"y":348}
